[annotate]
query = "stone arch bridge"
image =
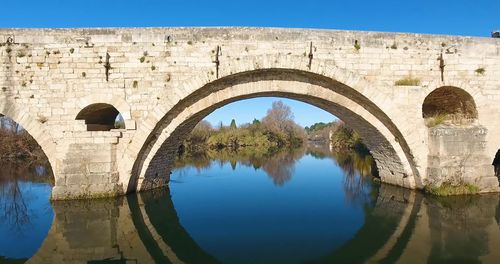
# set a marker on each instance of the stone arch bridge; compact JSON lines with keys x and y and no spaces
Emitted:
{"x":66,"y":87}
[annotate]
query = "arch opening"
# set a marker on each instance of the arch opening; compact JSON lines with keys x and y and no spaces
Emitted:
{"x":101,"y":117}
{"x":273,"y":140}
{"x":26,"y":181}
{"x":449,"y":104}
{"x":17,"y":144}
{"x":389,"y":147}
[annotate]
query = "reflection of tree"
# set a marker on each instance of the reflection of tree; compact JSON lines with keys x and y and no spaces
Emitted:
{"x":278,"y":164}
{"x":356,"y":163}
{"x":13,"y":209}
{"x":13,"y":205}
{"x":357,"y":166}
{"x":282,"y":165}
{"x":199,"y":160}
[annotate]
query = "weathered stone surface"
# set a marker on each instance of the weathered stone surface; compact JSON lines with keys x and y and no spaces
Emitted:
{"x":164,"y":80}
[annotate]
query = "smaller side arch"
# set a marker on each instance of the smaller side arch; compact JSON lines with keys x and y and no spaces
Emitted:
{"x":450,"y":103}
{"x":99,"y":117}
{"x":116,"y":101}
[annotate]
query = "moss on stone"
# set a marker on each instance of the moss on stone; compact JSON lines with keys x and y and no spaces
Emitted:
{"x":448,"y":189}
{"x":88,"y":196}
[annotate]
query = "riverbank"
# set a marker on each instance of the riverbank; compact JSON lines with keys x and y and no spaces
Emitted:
{"x":19,"y":146}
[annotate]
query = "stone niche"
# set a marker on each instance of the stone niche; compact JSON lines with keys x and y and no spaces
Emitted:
{"x":457,"y":155}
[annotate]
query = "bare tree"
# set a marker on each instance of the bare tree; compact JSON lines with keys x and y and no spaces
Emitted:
{"x":279,"y":118}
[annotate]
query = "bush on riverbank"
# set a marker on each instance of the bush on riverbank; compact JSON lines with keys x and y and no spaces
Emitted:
{"x":344,"y":138}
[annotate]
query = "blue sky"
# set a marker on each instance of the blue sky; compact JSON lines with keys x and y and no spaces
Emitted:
{"x":245,"y":111}
{"x":459,"y":17}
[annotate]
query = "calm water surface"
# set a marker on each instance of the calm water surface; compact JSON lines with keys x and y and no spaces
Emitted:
{"x":301,"y":206}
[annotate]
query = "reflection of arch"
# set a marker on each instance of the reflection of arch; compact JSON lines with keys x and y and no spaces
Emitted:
{"x":387,"y":229}
{"x":449,"y":100}
{"x":159,"y":228}
{"x":384,"y":139}
{"x":99,"y":117}
{"x":147,"y":228}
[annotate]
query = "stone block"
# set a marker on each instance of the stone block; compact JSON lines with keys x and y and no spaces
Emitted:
{"x":99,"y":167}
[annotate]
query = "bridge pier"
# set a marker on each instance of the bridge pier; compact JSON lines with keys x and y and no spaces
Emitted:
{"x":88,"y":166}
{"x":457,"y":155}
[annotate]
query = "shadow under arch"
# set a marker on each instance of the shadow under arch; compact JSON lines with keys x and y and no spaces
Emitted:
{"x":152,"y":178}
{"x":99,"y":116}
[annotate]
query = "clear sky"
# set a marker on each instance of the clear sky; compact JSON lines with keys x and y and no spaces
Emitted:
{"x":458,"y":17}
{"x":245,"y":111}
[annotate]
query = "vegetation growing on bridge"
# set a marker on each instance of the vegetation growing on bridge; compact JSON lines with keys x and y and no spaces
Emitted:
{"x":480,"y":71}
{"x":436,"y":120}
{"x":408,"y":81}
{"x":448,"y":189}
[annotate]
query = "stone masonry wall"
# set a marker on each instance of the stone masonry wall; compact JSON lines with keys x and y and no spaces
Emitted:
{"x":456,"y":155}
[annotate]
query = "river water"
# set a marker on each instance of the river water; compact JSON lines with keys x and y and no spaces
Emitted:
{"x":300,"y":206}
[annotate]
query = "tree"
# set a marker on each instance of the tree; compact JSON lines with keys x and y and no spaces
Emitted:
{"x":201,"y":131}
{"x":233,"y":124}
{"x":279,"y":122}
{"x":220,"y":126}
{"x":279,"y":117}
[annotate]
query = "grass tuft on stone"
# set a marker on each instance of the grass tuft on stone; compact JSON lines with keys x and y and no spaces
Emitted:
{"x":436,"y":120}
{"x":448,"y":189}
{"x":408,"y":81}
{"x":480,"y":71}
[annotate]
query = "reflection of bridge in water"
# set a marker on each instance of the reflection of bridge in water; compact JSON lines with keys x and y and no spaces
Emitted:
{"x":400,"y":226}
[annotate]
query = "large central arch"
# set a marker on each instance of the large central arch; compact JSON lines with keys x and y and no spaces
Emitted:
{"x":387,"y":144}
